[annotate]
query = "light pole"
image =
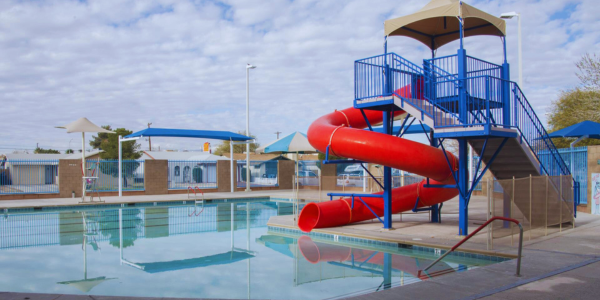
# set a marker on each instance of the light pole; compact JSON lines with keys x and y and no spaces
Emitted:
{"x":510,"y":15}
{"x":248,"y":67}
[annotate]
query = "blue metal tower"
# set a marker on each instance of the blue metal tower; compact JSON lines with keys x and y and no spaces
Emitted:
{"x":459,"y":97}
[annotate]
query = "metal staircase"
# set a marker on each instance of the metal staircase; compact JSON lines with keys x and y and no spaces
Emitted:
{"x":500,"y":124}
{"x":479,"y":108}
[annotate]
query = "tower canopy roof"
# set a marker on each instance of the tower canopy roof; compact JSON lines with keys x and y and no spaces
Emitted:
{"x":437,"y":23}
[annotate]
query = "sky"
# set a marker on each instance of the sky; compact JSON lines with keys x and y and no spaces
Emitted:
{"x":181,"y":64}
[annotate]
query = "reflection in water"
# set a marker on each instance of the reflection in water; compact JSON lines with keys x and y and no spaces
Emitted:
{"x":91,"y":228}
{"x":198,"y":251}
{"x":327,"y":260}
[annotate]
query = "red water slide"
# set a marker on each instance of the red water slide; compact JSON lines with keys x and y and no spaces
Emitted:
{"x":316,"y":252}
{"x":343,"y":131}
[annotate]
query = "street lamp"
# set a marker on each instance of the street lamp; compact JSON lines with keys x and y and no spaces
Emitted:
{"x":510,"y":15}
{"x":248,"y":67}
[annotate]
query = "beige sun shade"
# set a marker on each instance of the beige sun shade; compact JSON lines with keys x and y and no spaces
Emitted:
{"x":83,"y":125}
{"x":437,"y":24}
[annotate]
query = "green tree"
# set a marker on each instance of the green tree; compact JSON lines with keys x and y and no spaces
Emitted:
{"x":578,"y":104}
{"x":589,"y":71}
{"x":69,"y":151}
{"x":109,"y":143}
{"x":97,"y":140}
{"x":237,"y":148}
{"x":39,"y":150}
{"x":572,"y":107}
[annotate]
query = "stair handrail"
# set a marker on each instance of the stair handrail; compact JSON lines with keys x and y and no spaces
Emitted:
{"x":408,"y":63}
{"x":544,"y":134}
{"x":521,"y":100}
{"x":476,"y":231}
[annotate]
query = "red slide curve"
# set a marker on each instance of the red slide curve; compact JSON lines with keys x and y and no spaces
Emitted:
{"x":343,"y":131}
{"x":316,"y":252}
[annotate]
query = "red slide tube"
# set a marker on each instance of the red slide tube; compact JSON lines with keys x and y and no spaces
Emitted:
{"x":316,"y":252}
{"x":343,"y":131}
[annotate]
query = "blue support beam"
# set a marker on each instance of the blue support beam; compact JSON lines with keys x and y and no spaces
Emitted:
{"x":387,"y":271}
{"x":388,"y":120}
{"x":463,"y":186}
{"x":435,"y":209}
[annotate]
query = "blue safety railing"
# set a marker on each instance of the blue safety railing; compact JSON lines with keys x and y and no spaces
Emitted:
{"x":475,"y":66}
{"x":371,"y":80}
{"x":532,"y":131}
{"x":192,"y":173}
{"x":435,"y":90}
{"x":29,"y":177}
{"x":106,"y":173}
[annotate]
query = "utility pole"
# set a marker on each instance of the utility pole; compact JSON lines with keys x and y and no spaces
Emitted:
{"x":277,"y":133}
{"x":149,"y":140}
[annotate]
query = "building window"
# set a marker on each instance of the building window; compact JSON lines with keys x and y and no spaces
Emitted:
{"x":176,"y":170}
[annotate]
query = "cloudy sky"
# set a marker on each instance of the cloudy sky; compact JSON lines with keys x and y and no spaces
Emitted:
{"x":181,"y":64}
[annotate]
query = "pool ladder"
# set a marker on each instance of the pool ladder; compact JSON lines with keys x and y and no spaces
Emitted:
{"x":196,"y":200}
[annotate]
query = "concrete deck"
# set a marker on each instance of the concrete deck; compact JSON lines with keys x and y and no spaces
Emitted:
{"x":557,"y":266}
{"x":50,"y":202}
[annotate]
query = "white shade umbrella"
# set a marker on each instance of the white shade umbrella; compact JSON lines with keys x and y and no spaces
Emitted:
{"x":83,"y":125}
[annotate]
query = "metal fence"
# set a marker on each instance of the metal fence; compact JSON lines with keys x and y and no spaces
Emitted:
{"x":542,"y":204}
{"x":107,"y":175}
{"x":576,"y":160}
{"x":29,"y":176}
{"x":350,"y":175}
{"x":262,"y":173}
{"x":190,"y":173}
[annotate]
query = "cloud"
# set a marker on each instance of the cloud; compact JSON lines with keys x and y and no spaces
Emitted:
{"x":181,"y":64}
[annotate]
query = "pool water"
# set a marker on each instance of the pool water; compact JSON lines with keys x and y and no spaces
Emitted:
{"x":216,"y":250}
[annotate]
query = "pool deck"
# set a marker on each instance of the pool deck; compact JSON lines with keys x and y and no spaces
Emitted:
{"x":51,"y":202}
{"x":561,"y":265}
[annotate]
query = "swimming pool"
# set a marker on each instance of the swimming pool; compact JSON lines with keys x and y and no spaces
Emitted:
{"x":222,"y":249}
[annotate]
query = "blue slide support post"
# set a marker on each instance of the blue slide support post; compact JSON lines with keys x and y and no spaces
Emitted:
{"x":435,"y":209}
{"x":463,"y":181}
{"x":506,"y":121}
{"x":505,"y":73}
{"x":388,"y":121}
{"x":387,"y":271}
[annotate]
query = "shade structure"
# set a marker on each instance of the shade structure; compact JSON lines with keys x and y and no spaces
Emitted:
{"x":281,"y":244}
{"x":83,"y":125}
{"x":296,"y":142}
{"x":292,"y":143}
{"x":86,"y":285}
{"x":206,"y":261}
{"x":438,"y":23}
{"x":188,"y":133}
{"x":589,"y":129}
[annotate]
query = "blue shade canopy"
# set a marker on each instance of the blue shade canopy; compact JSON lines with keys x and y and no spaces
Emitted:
{"x":412,"y":129}
{"x":188,"y":133}
{"x":206,"y":261}
{"x":280,"y":244}
{"x":292,"y":143}
{"x":588,"y":129}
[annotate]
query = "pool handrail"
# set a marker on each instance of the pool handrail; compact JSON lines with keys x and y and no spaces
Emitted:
{"x":476,"y":231}
{"x":194,"y":190}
